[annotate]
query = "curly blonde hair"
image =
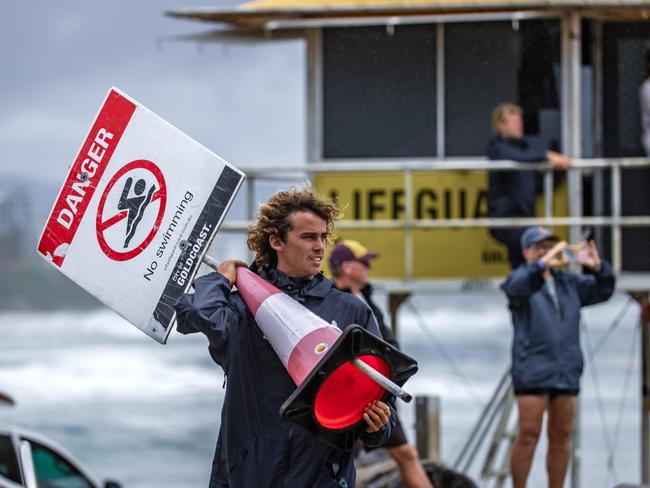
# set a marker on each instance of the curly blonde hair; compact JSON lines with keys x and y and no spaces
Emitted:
{"x":273,"y":219}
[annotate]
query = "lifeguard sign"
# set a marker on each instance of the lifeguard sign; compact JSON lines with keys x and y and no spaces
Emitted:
{"x":138,"y":210}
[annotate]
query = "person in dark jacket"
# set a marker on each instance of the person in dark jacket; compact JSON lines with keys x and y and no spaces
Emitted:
{"x":256,"y":447}
{"x":512,"y":193}
{"x":349,"y":263}
{"x":547,"y":361}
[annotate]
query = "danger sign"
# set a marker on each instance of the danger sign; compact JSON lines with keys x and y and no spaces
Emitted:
{"x":138,"y":210}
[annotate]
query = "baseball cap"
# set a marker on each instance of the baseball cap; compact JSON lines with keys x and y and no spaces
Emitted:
{"x":349,"y":250}
{"x":533,"y":235}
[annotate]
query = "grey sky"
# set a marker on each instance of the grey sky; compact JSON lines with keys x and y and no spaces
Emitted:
{"x":244,"y":102}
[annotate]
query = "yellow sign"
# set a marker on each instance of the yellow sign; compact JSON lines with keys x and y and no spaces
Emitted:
{"x":437,"y":253}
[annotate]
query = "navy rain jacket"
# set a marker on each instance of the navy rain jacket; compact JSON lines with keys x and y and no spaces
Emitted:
{"x":512,"y":193}
{"x":546,"y":346}
{"x":256,"y":447}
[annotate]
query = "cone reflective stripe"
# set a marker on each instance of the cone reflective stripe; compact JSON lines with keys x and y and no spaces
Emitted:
{"x":298,"y":336}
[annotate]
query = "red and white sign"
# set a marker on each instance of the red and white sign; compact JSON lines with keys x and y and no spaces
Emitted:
{"x":138,"y":188}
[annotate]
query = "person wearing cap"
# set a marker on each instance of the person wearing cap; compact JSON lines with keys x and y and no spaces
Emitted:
{"x":349,"y":264}
{"x":256,"y":447}
{"x":512,"y":193}
{"x":547,"y":362}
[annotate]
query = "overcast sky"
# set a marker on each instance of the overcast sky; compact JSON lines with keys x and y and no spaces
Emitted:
{"x":244,"y":102}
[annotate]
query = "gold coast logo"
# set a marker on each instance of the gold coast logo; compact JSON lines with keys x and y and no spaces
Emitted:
{"x":131,"y":209}
{"x":321,"y":348}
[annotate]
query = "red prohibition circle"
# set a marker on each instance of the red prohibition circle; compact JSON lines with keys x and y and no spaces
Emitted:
{"x":160,"y":194}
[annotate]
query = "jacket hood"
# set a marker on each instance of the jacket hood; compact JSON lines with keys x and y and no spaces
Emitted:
{"x":297,"y":288}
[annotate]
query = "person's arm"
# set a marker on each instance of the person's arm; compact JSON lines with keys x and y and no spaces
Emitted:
{"x":380,"y":417}
{"x":598,"y":286}
{"x":210,"y":308}
{"x":376,"y":415}
{"x":526,"y":155}
{"x":523,"y":281}
{"x":505,"y":151}
{"x":528,"y":279}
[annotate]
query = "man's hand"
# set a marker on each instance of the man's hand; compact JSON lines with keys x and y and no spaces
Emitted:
{"x":376,"y":415}
{"x":588,"y":256}
{"x":228,"y":268}
{"x":558,"y":160}
{"x":555,"y":257}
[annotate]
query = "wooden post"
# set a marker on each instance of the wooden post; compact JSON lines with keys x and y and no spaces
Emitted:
{"x":427,"y":427}
{"x":394,"y":301}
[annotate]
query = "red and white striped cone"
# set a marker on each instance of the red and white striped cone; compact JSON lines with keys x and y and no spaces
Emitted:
{"x":300,"y":338}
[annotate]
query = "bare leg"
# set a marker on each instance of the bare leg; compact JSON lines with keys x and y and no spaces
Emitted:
{"x":531,"y":413}
{"x":411,"y":471}
{"x":560,"y":419}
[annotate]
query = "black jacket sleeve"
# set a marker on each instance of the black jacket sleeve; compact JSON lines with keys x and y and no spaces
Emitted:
{"x":502,"y":150}
{"x":523,"y":282}
{"x":596,"y":287}
{"x":209,"y":310}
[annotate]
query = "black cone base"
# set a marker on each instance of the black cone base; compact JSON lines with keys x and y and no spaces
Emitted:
{"x":330,"y":400}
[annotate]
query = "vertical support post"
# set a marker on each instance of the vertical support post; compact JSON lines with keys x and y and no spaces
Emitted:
{"x":571,"y":120}
{"x":394,"y":301}
{"x":315,"y":95}
{"x":571,"y":142}
{"x":440,"y":91}
{"x":643,"y":297}
{"x":617,"y":260}
{"x":250,"y":206}
{"x":427,"y":427}
{"x":645,"y":392}
{"x":597,"y":121}
{"x":548,"y":193}
{"x":408,"y":231}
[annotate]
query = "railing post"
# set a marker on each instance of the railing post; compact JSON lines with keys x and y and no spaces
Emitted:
{"x":408,"y":231}
{"x":643,"y":298}
{"x":427,"y":427}
{"x":250,"y":206}
{"x":394,"y":301}
{"x":548,"y":193}
{"x":616,"y":215}
{"x":571,"y":132}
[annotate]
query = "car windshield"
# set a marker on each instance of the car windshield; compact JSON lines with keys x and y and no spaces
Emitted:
{"x":53,"y":471}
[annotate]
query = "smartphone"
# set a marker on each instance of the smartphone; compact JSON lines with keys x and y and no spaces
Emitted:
{"x":587,"y":235}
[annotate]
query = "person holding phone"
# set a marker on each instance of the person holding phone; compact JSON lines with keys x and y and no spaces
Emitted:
{"x":547,"y":361}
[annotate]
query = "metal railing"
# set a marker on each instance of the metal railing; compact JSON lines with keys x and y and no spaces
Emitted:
{"x":615,"y":221}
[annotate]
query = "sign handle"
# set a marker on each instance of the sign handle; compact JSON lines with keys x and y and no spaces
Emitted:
{"x":372,"y":373}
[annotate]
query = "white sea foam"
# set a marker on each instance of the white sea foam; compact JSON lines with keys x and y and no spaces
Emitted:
{"x":74,"y":370}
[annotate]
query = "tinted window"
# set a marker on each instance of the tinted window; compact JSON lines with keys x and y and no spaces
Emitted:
{"x":8,"y":461}
{"x":379,"y":92}
{"x":52,"y":471}
{"x":495,"y":62}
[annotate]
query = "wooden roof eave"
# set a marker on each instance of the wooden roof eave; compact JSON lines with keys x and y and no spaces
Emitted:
{"x":248,"y":19}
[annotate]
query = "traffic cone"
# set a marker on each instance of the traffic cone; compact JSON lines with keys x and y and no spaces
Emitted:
{"x":331,"y":391}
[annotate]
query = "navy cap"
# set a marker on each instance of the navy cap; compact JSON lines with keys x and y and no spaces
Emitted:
{"x":349,"y":250}
{"x":533,"y":235}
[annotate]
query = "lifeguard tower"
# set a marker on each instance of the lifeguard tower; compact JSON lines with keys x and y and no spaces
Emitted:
{"x":399,"y":97}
